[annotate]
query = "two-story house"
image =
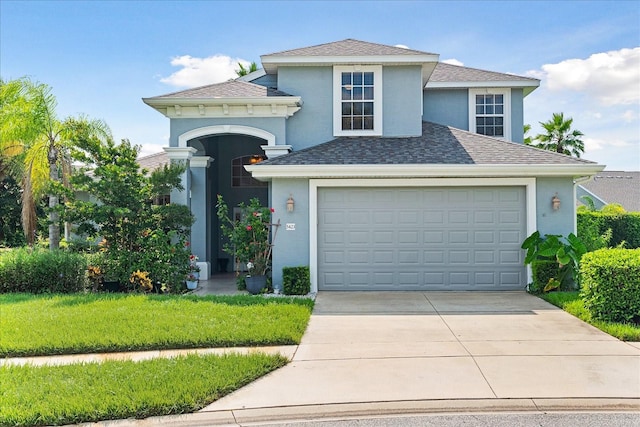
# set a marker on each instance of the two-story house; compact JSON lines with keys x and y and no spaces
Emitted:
{"x":406,"y":173}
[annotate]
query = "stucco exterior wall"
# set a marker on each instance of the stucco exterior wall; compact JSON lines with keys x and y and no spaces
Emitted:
{"x":313,"y":124}
{"x":291,"y":247}
{"x":449,"y":107}
{"x":549,"y":221}
{"x":517,"y":116}
{"x":402,"y":101}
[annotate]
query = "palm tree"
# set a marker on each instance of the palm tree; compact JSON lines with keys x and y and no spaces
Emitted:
{"x":28,"y":120}
{"x":244,"y":71}
{"x":559,"y":137}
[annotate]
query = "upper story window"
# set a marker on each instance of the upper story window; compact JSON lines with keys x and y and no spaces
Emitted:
{"x":240,"y":177}
{"x":357,"y":100}
{"x":489,"y":112}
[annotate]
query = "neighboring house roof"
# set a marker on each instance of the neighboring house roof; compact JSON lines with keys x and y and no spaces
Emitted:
{"x":454,"y":76}
{"x":616,"y":187}
{"x":228,"y":89}
{"x":441,"y":151}
{"x":153,"y":161}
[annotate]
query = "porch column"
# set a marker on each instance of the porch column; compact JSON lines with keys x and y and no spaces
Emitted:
{"x":201,"y":209}
{"x":181,"y":155}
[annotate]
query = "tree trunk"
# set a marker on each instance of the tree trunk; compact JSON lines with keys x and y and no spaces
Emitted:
{"x":54,"y":216}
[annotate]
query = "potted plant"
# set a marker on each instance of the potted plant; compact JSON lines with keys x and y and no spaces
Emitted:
{"x":250,"y":240}
{"x":193,"y":266}
{"x":192,"y":281}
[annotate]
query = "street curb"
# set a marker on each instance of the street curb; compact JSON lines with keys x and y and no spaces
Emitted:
{"x":301,"y":413}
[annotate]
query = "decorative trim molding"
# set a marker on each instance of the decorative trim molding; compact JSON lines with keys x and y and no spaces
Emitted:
{"x":275,"y":150}
{"x":234,"y":129}
{"x":180,"y":153}
{"x":266,"y":172}
{"x":267,"y":106}
{"x":200,"y":161}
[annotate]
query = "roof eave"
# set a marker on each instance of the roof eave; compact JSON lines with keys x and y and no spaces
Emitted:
{"x":527,"y":86}
{"x":265,"y":172}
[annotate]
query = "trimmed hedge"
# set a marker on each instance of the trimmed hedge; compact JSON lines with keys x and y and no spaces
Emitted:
{"x":542,"y":271}
{"x":296,"y":280}
{"x":611,"y":284}
{"x":624,"y":227}
{"x":42,"y":271}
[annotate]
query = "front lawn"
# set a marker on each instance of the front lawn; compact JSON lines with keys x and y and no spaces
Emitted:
{"x":56,"y":395}
{"x":572,"y":303}
{"x":85,"y":323}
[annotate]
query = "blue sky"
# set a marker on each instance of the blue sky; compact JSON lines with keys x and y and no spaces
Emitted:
{"x":102,"y":57}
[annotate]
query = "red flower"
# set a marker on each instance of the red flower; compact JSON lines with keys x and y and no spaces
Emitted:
{"x":249,"y":228}
{"x":186,"y":244}
{"x":272,"y":210}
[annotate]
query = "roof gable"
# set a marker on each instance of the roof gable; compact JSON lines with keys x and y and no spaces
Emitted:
{"x":350,"y":52}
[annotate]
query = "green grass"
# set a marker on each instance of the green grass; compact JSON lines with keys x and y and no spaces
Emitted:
{"x":573,"y":304}
{"x":81,"y":323}
{"x":33,"y":396}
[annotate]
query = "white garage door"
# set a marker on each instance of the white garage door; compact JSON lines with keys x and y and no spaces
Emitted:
{"x":421,"y":238}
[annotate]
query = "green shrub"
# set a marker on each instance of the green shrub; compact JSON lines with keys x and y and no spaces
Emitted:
{"x":611,"y":284}
{"x":625,"y":227}
{"x":543,"y":271}
{"x":39,"y":271}
{"x":296,"y":280}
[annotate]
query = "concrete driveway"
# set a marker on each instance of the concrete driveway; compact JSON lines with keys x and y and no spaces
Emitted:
{"x":393,"y":349}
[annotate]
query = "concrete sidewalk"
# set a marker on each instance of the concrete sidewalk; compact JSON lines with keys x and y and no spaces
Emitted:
{"x":463,"y":350}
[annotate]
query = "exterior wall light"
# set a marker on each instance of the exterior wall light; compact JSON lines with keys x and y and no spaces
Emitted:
{"x":290,"y":203}
{"x":555,"y":202}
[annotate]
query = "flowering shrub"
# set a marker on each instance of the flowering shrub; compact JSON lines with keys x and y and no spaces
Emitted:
{"x":251,"y":236}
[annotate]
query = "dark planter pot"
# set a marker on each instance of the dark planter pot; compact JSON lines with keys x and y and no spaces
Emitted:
{"x":111,"y":286}
{"x":157,"y":288}
{"x":255,"y":284}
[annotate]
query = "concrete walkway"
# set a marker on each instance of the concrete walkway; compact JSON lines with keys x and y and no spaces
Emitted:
{"x":386,"y":350}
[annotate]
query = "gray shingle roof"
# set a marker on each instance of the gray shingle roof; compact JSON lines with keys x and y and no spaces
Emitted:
{"x":438,"y":145}
{"x":228,"y":89}
{"x":617,"y":187}
{"x":348,"y":47}
{"x":153,"y":161}
{"x":446,"y":73}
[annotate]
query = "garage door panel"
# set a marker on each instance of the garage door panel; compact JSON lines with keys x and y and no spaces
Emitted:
{"x":421,"y":238}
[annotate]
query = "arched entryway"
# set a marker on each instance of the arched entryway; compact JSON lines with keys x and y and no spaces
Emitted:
{"x":227,"y":149}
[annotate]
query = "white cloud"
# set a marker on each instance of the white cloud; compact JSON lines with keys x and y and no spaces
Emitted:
{"x":611,"y":77}
{"x":592,"y":144}
{"x":630,"y":116}
{"x":402,"y":46}
{"x":453,"y":61}
{"x":203,"y":71}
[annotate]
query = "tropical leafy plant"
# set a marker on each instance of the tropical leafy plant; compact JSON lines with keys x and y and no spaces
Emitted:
{"x":567,"y":252}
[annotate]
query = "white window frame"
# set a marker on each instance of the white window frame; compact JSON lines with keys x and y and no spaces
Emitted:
{"x":506,"y":93}
{"x":377,"y":100}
